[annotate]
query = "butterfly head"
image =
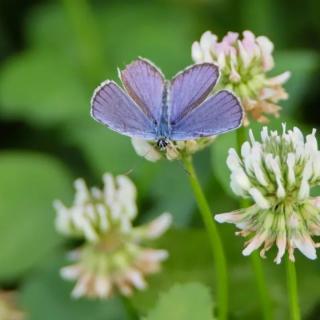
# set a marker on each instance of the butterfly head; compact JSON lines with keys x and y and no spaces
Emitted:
{"x":162,"y":144}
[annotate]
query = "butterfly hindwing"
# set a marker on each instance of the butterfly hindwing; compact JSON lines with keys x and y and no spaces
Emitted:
{"x":220,"y":113}
{"x":111,"y":106}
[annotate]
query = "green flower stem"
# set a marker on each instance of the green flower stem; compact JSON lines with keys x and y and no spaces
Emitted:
{"x":264,"y":295}
{"x":130,"y":310}
{"x":215,"y":240}
{"x":293,"y":290}
{"x":256,"y":263}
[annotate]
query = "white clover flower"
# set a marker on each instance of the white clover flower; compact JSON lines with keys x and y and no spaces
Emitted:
{"x":175,"y":150}
{"x":244,"y":64}
{"x":95,"y":211}
{"x":112,"y":258}
{"x":277,"y":174}
{"x":8,"y":309}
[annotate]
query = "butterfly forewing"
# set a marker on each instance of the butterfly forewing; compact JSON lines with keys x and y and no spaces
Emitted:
{"x":145,"y":84}
{"x":111,"y":106}
{"x":191,"y":114}
{"x":190,"y":88}
{"x":220,"y":113}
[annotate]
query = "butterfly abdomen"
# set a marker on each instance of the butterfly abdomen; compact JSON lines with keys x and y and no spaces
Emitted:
{"x":163,"y":131}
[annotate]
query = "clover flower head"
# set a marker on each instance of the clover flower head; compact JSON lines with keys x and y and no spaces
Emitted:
{"x":244,"y":64}
{"x":277,"y":174}
{"x":96,"y":211}
{"x":112,"y":258}
{"x":8,"y":309}
{"x":175,"y":150}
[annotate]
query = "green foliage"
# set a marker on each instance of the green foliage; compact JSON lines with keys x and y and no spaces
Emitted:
{"x":29,"y":183}
{"x":47,"y":83}
{"x":162,"y":39}
{"x":302,"y":65}
{"x":186,"y":248}
{"x":184,"y":302}
{"x":68,"y":47}
{"x":41,"y":89}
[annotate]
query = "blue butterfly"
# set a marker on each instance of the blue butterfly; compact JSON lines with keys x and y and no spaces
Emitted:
{"x":153,"y":108}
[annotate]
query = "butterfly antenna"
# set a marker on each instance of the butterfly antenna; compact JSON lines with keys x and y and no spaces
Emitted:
{"x":129,"y":172}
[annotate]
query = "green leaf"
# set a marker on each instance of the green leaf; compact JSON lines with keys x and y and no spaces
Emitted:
{"x":190,"y":259}
{"x":28,"y":185}
{"x":42,"y":89}
{"x":184,"y":302}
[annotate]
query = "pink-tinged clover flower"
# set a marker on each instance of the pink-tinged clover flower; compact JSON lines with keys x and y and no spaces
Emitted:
{"x":112,"y":258}
{"x":277,"y":174}
{"x":244,"y":64}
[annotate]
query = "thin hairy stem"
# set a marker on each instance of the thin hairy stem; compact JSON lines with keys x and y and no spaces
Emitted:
{"x":293,"y":290}
{"x":129,"y":309}
{"x":263,"y":292}
{"x":214,"y":237}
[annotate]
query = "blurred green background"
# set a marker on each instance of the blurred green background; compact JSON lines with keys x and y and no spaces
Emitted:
{"x":52,"y":55}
